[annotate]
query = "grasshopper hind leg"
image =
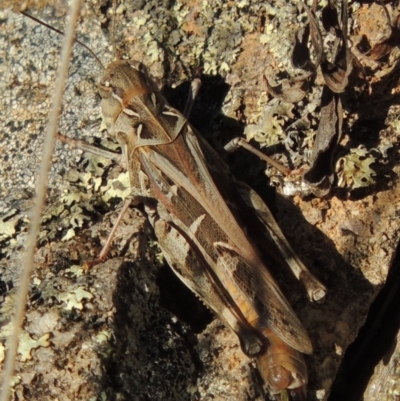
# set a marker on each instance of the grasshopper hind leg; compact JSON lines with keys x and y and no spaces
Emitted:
{"x":315,"y":289}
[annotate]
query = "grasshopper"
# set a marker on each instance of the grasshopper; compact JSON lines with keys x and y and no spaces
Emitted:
{"x":185,"y":188}
{"x":202,"y":218}
{"x":210,"y":227}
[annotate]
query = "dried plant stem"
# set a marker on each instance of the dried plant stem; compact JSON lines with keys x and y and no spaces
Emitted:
{"x":40,"y":199}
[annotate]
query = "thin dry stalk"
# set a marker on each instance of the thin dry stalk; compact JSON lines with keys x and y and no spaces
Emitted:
{"x":41,"y":188}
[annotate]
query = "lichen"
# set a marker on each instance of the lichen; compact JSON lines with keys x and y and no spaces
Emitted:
{"x":7,"y":227}
{"x":27,"y":344}
{"x":103,"y":337}
{"x":75,"y":270}
{"x":74,"y":298}
{"x":116,"y":188}
{"x":354,"y":171}
{"x":269,"y":131}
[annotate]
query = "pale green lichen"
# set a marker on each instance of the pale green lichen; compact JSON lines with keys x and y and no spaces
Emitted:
{"x":140,"y":20}
{"x":15,"y":380}
{"x":6,"y":310}
{"x":180,"y":12}
{"x":96,"y":164}
{"x":354,"y":171}
{"x":267,"y":36}
{"x":269,"y":130}
{"x":27,"y":344}
{"x":259,"y":111}
{"x":153,"y":48}
{"x":74,"y":298}
{"x":224,"y":46}
{"x":65,"y":214}
{"x":103,"y":336}
{"x":71,"y":198}
{"x":88,"y":188}
{"x":75,"y":270}
{"x":69,"y":234}
{"x":117,"y":188}
{"x":7,"y":228}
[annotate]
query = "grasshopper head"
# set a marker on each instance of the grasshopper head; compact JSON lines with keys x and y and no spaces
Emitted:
{"x":122,"y":85}
{"x":131,"y":105}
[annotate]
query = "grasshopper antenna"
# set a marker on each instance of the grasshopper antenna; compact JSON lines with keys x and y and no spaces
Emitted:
{"x":92,"y":53}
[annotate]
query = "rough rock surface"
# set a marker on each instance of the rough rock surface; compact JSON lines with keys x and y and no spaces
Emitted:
{"x":112,"y":332}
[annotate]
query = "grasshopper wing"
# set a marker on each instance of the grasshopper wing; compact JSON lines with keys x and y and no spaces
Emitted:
{"x":195,"y":186}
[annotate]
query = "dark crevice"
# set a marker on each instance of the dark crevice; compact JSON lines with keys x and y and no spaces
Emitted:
{"x":179,"y":300}
{"x":373,"y":342}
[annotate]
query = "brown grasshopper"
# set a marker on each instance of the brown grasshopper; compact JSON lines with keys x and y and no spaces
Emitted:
{"x":202,"y":218}
{"x":211,"y":227}
{"x":185,"y":188}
